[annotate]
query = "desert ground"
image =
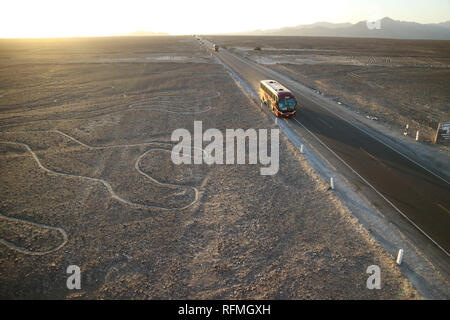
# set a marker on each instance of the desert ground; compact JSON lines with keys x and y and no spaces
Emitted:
{"x":87,"y":179}
{"x":395,"y":82}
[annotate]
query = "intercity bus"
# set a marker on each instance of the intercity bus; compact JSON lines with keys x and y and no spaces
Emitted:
{"x":278,"y":98}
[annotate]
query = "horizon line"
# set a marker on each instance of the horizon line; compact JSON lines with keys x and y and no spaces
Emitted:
{"x":234,"y":33}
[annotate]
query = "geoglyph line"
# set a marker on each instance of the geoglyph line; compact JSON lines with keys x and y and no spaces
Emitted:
{"x":29,"y":252}
{"x":106,"y":184}
{"x":135,"y":106}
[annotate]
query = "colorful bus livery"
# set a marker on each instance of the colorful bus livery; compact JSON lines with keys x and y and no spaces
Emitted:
{"x":278,"y":98}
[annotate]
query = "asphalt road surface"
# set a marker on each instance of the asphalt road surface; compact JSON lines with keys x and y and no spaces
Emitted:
{"x":420,"y":195}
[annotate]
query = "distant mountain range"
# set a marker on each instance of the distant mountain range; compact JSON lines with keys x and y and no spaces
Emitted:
{"x":388,"y":28}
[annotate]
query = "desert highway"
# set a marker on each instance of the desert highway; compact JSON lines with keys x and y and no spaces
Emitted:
{"x":422,"y":197}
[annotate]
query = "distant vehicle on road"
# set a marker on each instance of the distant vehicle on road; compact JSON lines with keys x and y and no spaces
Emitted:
{"x":215,"y":47}
{"x":278,"y":98}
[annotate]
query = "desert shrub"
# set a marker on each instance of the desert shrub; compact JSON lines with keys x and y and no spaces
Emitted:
{"x":257,"y":48}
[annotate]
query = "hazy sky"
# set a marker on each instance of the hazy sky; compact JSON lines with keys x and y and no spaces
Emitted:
{"x":66,"y":18}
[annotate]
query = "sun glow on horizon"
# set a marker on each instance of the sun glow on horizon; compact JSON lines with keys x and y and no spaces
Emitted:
{"x":82,"y":18}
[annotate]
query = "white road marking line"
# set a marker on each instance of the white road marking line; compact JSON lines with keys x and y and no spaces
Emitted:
{"x":311,"y":96}
{"x":389,"y":202}
{"x":373,"y":188}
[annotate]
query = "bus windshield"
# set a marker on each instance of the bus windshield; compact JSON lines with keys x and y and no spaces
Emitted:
{"x":287,"y":104}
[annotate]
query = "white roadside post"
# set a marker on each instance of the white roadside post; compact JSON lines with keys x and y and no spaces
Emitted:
{"x":417,"y":135}
{"x":332,"y":183}
{"x":400,"y":256}
{"x":301,"y":148}
{"x":405,"y":133}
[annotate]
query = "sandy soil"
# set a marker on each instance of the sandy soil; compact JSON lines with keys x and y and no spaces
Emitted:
{"x":96,"y":123}
{"x":396,"y":82}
